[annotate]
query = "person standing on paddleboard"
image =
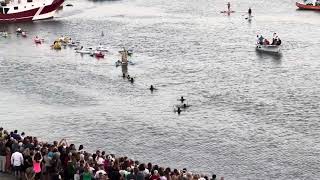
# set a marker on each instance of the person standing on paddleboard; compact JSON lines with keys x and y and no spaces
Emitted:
{"x":249,"y":12}
{"x":229,"y":5}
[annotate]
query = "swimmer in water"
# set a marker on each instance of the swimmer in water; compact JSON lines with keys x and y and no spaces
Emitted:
{"x":179,"y":110}
{"x":123,"y":75}
{"x":182,"y":99}
{"x":128,"y":77}
{"x":131,"y":80}
{"x":152,"y":88}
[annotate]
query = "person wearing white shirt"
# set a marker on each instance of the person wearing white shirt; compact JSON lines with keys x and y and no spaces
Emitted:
{"x":17,"y":162}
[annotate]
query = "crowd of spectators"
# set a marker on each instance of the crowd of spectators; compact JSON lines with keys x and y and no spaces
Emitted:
{"x":30,"y":159}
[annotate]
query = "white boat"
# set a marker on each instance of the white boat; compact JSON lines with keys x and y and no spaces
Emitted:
{"x":268,"y":48}
{"x":84,"y":51}
{"x":102,"y":48}
{"x":27,"y":10}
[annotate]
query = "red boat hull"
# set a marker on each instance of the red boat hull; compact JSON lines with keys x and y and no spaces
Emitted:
{"x":307,"y":7}
{"x":30,"y":15}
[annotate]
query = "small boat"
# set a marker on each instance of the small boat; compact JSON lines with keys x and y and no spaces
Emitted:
{"x":308,"y":6}
{"x":4,"y":34}
{"x":98,"y":54}
{"x":56,"y":46}
{"x":23,"y":34}
{"x":268,"y":48}
{"x":37,"y":40}
{"x":84,"y":51}
{"x":228,"y":12}
{"x":19,"y":30}
{"x":73,"y":44}
{"x":102,"y":48}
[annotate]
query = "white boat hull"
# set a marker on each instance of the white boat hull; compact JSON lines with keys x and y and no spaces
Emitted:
{"x":268,"y":48}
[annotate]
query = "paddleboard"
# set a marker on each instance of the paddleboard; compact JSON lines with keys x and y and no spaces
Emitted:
{"x":227,"y":12}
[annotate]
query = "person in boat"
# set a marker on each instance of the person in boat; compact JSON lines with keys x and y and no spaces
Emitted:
{"x":249,"y":12}
{"x":266,"y":42}
{"x":278,"y":41}
{"x":260,"y":39}
{"x":274,"y":40}
{"x":229,"y":6}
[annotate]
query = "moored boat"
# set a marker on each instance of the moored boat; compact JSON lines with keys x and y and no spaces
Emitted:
{"x":268,"y":48}
{"x":315,"y":7}
{"x":28,"y":10}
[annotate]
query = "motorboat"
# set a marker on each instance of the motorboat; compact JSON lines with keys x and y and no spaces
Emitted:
{"x":268,"y":48}
{"x":28,"y":10}
{"x":309,"y":6}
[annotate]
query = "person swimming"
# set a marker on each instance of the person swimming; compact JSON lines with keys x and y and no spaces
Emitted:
{"x":131,"y":80}
{"x":152,"y":88}
{"x":182,"y":99}
{"x":179,"y":110}
{"x":123,"y":75}
{"x":128,"y":76}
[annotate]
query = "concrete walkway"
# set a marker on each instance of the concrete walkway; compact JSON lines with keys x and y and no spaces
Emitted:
{"x":6,"y":177}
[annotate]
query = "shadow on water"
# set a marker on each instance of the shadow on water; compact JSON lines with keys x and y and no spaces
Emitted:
{"x":267,"y":55}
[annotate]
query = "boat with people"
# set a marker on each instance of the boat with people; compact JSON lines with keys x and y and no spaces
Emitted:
{"x":263,"y":45}
{"x":97,"y":54}
{"x":19,"y":30}
{"x":37,"y":40}
{"x":309,"y":5}
{"x":27,"y":10}
{"x":56,"y":45}
{"x":4,"y":34}
{"x":102,"y":48}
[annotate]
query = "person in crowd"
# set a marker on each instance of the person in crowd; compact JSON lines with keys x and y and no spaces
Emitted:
{"x":2,"y":154}
{"x":17,"y":163}
{"x":60,"y":161}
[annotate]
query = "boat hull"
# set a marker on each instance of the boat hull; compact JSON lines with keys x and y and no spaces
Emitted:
{"x":307,"y":7}
{"x":268,"y":48}
{"x":37,"y":13}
